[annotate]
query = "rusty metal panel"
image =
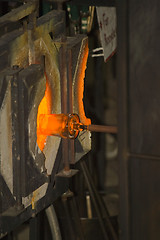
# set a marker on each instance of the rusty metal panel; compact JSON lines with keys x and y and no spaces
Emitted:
{"x":122,"y":77}
{"x":144,"y":84}
{"x":144,"y":198}
{"x":139,"y":115}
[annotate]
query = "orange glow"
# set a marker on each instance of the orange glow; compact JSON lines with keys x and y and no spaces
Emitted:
{"x":52,"y":124}
{"x":58,"y":125}
{"x":80,"y":86}
{"x":44,"y":108}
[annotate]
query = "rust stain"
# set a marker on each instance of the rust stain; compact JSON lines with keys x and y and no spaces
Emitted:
{"x":33,"y":201}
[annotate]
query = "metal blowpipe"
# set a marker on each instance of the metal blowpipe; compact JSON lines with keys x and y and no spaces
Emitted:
{"x":96,"y":128}
{"x":67,"y":126}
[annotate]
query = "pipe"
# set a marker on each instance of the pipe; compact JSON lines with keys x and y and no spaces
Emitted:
{"x":94,"y":193}
{"x":100,"y":128}
{"x":53,"y":222}
{"x":96,"y":206}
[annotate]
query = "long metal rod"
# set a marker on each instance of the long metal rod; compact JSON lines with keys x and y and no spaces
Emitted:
{"x":63,"y":73}
{"x":70,"y":93}
{"x":101,"y":128}
{"x":65,"y":154}
{"x":64,"y":106}
{"x":70,"y":100}
{"x":69,"y":219}
{"x":76,"y":217}
{"x":101,"y":203}
{"x":101,"y":222}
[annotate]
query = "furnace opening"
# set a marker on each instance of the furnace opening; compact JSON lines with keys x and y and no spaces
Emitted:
{"x":45,"y":107}
{"x":49,"y":124}
{"x":80,"y":86}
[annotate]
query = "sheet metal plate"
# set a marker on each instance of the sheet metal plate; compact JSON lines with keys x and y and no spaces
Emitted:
{"x":144,"y":198}
{"x":144,"y":77}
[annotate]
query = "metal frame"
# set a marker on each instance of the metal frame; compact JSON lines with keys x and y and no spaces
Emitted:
{"x":138,"y":118}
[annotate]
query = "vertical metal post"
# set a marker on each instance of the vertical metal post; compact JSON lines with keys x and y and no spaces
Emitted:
{"x":32,"y":21}
{"x":76,"y":217}
{"x":122,"y":77}
{"x":69,"y":220}
{"x":99,"y":201}
{"x":70,"y":101}
{"x":64,"y":99}
{"x":97,"y":208}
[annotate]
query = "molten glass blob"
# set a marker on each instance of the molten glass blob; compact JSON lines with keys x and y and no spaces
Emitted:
{"x":62,"y":125}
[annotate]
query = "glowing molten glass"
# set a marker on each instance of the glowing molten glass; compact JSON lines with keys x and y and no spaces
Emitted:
{"x":44,"y":108}
{"x":62,"y":125}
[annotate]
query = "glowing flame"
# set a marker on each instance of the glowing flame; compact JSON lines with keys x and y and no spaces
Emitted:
{"x":52,"y":124}
{"x":55,"y":124}
{"x":80,"y":86}
{"x":44,"y":108}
